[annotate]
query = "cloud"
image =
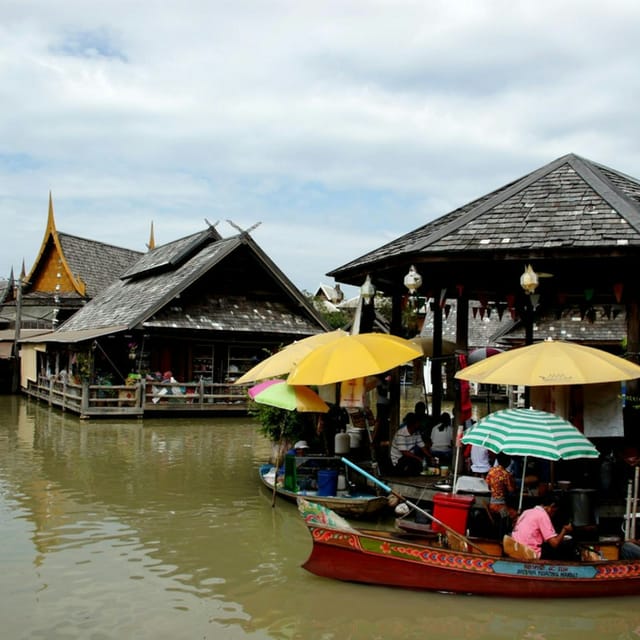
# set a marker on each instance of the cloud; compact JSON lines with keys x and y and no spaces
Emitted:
{"x":338,"y":125}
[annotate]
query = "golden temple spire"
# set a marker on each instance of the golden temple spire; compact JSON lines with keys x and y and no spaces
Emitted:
{"x":152,"y":241}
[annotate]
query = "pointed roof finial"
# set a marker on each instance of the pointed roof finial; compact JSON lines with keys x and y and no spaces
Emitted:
{"x":51,"y":225}
{"x":152,"y":241}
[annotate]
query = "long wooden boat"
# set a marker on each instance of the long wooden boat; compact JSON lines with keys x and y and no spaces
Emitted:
{"x":350,"y":504}
{"x":411,"y":561}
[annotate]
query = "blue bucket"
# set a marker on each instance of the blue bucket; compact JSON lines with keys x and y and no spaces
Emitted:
{"x":327,"y":482}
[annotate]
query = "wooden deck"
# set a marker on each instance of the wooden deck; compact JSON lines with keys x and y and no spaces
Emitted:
{"x":141,"y":399}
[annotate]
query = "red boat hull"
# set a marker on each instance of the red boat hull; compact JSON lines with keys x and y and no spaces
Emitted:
{"x":356,"y":556}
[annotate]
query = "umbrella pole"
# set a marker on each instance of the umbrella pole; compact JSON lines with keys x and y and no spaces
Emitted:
{"x":524,"y":474}
{"x":457,"y":462}
{"x":275,"y":477}
{"x":372,"y":448}
{"x":634,"y":506}
{"x":627,"y":519}
{"x":388,"y":489}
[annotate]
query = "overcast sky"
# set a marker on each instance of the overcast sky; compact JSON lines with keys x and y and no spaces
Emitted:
{"x":339,"y":125}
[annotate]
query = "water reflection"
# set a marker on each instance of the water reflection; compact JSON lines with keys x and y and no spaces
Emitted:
{"x":161,"y":529}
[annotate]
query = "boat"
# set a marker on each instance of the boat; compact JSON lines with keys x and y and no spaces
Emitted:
{"x":322,"y":484}
{"x":435,"y":561}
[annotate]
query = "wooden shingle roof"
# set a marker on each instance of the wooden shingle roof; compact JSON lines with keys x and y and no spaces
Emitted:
{"x":567,"y":212}
{"x":96,"y":263}
{"x":202,"y":282}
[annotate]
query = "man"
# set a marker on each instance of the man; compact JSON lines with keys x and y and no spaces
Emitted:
{"x":535,"y":530}
{"x":408,"y":448}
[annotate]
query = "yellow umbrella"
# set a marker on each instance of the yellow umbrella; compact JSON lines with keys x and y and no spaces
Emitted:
{"x":353,"y":356}
{"x":551,"y":363}
{"x":284,"y":360}
{"x":426,"y":344}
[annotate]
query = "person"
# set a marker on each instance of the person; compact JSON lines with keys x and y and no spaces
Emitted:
{"x":442,"y":438}
{"x":382,"y":408}
{"x":501,"y":484}
{"x":630,"y":551}
{"x":534,"y":529}
{"x":167,"y":378}
{"x":424,"y":420}
{"x":408,"y":449}
{"x":481,"y":460}
{"x":300,"y":448}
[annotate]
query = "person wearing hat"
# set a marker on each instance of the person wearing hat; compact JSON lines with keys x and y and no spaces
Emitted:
{"x":300,"y":448}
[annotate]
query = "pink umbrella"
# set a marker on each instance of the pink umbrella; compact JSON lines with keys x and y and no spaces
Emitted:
{"x":277,"y":393}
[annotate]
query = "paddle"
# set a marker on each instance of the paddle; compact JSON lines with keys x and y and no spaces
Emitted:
{"x":388,"y":489}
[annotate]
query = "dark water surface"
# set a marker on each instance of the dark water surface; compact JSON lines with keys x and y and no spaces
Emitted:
{"x":160,"y":529}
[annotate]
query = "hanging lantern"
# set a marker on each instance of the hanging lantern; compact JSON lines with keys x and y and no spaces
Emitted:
{"x":529,"y":280}
{"x":413,"y":280}
{"x":367,"y":290}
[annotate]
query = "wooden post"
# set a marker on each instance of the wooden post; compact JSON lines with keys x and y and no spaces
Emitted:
{"x":436,"y":362}
{"x":394,"y":386}
{"x":84,"y":403}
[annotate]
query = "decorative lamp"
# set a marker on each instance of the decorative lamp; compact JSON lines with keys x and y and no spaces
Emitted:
{"x":367,"y":290}
{"x":413,"y":280}
{"x":529,"y":280}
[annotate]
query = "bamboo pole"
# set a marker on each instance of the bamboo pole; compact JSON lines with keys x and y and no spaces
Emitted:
{"x":431,"y":517}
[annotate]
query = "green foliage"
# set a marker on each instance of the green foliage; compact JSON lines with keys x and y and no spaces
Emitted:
{"x":84,"y":364}
{"x":335,"y":319}
{"x":278,"y":424}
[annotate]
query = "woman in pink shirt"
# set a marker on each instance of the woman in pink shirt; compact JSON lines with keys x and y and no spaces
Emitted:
{"x":535,"y":530}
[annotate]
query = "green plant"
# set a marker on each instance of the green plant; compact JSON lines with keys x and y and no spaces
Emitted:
{"x":84,"y":364}
{"x":278,"y":424}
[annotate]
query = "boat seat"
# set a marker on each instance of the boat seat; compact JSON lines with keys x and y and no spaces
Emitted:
{"x":518,"y":551}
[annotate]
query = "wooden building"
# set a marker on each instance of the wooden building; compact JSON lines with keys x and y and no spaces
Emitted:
{"x":576,"y":222}
{"x":67,"y":273}
{"x":202,"y":309}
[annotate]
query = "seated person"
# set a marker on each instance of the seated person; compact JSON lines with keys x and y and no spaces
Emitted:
{"x":442,"y":439}
{"x":502,"y":485}
{"x":630,"y":551}
{"x":300,"y":448}
{"x":481,"y":460}
{"x":535,"y":530}
{"x":408,"y":449}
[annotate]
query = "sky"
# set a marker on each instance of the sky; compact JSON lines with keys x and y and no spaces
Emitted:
{"x":337,"y":125}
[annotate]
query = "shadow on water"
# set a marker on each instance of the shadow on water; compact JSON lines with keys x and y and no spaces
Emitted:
{"x":160,"y":528}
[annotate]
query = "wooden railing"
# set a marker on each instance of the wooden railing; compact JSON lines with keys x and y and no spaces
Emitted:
{"x":139,"y":399}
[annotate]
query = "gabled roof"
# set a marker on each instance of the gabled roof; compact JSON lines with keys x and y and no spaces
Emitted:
{"x":252,"y":295}
{"x":88,"y":266}
{"x":566,"y":208}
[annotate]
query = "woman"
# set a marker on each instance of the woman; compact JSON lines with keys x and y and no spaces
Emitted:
{"x":442,"y":439}
{"x":501,"y":485}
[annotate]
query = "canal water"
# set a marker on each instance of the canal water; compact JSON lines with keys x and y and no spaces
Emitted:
{"x":160,"y":529}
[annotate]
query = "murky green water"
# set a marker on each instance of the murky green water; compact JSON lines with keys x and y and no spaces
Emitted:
{"x":160,"y":529}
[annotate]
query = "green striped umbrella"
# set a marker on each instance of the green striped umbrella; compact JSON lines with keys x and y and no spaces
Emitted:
{"x":529,"y":432}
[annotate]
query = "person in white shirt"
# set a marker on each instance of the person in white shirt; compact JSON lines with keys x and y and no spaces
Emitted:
{"x":408,"y":449}
{"x":481,"y":460}
{"x":442,"y":439}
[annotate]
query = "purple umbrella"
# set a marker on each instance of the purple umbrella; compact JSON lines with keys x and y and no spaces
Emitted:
{"x":482,"y":353}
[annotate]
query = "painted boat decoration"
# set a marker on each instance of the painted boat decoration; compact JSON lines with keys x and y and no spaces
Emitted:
{"x":350,"y":503}
{"x":407,"y":560}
